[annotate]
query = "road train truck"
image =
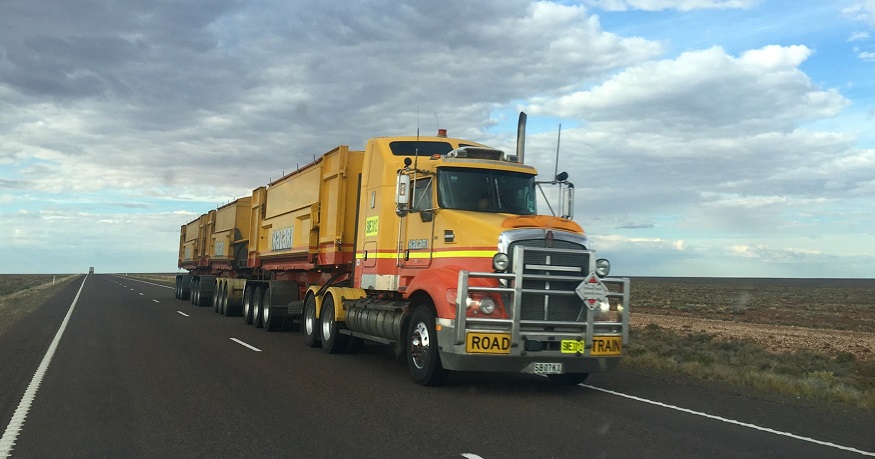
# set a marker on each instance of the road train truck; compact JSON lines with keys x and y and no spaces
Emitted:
{"x":431,"y":244}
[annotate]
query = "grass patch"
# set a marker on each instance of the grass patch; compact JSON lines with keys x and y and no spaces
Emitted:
{"x":806,"y":374}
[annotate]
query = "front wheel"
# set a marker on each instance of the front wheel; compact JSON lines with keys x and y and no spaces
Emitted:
{"x":423,"y":360}
{"x":333,"y":342}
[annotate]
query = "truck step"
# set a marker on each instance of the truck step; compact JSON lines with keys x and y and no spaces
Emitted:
{"x":367,"y":337}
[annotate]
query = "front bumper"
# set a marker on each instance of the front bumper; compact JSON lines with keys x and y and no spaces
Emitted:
{"x":602,"y":317}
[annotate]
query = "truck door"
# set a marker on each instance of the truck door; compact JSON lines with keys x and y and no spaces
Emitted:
{"x":418,"y":226}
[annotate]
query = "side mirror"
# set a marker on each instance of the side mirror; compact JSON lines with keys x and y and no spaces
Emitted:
{"x":402,"y":194}
{"x":426,"y":215}
{"x":567,"y":201}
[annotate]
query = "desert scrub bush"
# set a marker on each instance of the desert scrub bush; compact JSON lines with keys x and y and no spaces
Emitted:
{"x":803,"y":373}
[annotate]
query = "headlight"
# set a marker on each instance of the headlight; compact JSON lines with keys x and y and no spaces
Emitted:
{"x":500,"y":262}
{"x":602,"y":267}
{"x":480,"y":305}
{"x":487,"y":305}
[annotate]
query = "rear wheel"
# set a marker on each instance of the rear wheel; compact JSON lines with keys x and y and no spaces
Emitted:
{"x":423,"y":360}
{"x":272,"y":322}
{"x":217,"y":297}
{"x":256,"y":306}
{"x":226,"y":311}
{"x":568,"y":379}
{"x":311,"y":323}
{"x":333,"y":342}
{"x":195,"y":291}
{"x":247,"y":304}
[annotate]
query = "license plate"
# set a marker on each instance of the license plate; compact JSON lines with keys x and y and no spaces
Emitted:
{"x":606,"y":345}
{"x":570,"y":346}
{"x":547,"y":368}
{"x":487,"y":343}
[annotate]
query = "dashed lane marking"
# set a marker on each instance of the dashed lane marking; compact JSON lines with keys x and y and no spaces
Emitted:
{"x":156,"y":301}
{"x":732,"y":421}
{"x":186,"y":315}
{"x":244,"y":344}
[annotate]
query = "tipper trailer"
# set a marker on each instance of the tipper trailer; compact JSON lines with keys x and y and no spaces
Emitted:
{"x":431,"y":244}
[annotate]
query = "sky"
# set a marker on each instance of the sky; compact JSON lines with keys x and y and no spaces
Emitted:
{"x":725,"y":138}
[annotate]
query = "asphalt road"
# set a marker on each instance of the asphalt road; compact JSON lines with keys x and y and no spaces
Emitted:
{"x":137,"y":373}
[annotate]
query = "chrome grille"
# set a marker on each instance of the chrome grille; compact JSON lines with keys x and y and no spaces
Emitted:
{"x":552,"y":307}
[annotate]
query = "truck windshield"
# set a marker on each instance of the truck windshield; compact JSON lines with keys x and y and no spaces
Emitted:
{"x":486,"y":190}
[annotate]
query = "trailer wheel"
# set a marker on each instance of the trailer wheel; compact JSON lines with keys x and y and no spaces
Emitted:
{"x":217,"y":297}
{"x":423,"y":360}
{"x":256,"y":306}
{"x":311,"y":323}
{"x":271,"y":321}
{"x":333,"y":342}
{"x":225,"y":310}
{"x":195,"y":292}
{"x":247,"y":304}
{"x":568,"y":379}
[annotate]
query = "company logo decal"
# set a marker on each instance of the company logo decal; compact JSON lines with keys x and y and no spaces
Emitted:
{"x":372,"y":224}
{"x":281,"y":239}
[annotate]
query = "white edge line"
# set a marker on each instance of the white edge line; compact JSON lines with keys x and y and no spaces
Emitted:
{"x":731,"y":421}
{"x":186,"y":315}
{"x":18,"y":418}
{"x":244,"y":344}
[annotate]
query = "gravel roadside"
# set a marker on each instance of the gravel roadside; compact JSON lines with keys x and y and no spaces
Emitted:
{"x":777,"y":338}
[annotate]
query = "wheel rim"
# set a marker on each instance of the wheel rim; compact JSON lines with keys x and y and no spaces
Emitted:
{"x":419,"y":345}
{"x":310,"y":320}
{"x":247,"y":304}
{"x":327,"y":325}
{"x":256,"y":306}
{"x":265,"y":307}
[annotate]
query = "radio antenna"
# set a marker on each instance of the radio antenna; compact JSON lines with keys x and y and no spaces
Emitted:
{"x":558,"y":138}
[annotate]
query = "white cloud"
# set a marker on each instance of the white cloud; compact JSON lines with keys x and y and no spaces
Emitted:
{"x":681,"y":5}
{"x":862,"y":11}
{"x":859,"y":36}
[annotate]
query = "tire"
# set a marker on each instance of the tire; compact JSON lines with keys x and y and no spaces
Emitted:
{"x":568,"y":379}
{"x":310,"y":327}
{"x":195,"y":291}
{"x":272,"y":322}
{"x":176,"y":288}
{"x":222,"y":298}
{"x":226,"y":311}
{"x":257,"y":293}
{"x":333,"y":342}
{"x":247,"y":304}
{"x":423,"y":359}
{"x":217,"y":298}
